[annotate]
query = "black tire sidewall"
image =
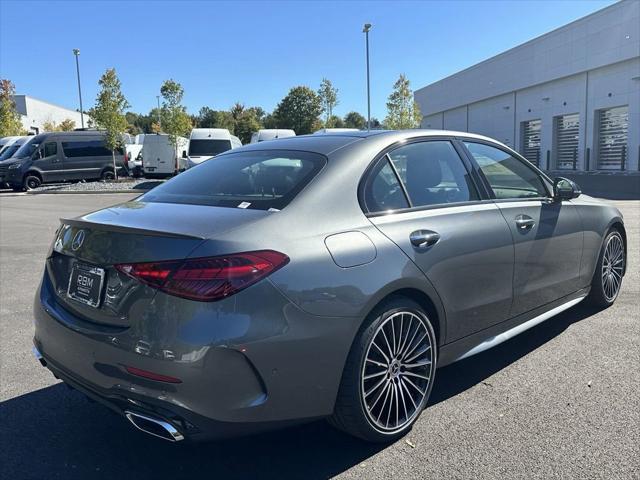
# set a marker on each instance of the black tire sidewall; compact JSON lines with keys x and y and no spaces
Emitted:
{"x":364,"y":429}
{"x":28,"y":179}
{"x":597,"y":295}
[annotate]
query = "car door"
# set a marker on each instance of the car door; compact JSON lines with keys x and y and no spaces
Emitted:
{"x":422,"y":196}
{"x":48,"y":161}
{"x":547,"y":234}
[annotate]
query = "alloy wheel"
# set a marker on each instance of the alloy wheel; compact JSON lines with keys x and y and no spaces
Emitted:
{"x":398,"y":367}
{"x":612,"y":267}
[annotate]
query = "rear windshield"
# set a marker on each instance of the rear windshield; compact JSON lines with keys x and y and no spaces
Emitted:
{"x":208,"y":148}
{"x":260,"y":180}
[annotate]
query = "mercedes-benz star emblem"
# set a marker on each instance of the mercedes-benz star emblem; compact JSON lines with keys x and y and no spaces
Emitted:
{"x":77,"y":240}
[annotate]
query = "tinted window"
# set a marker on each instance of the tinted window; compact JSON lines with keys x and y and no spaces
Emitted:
{"x":508,"y":176}
{"x":9,"y":151}
{"x":208,"y":148}
{"x":433,"y":173}
{"x":383,"y":191}
{"x":255,"y":180}
{"x":50,"y":149}
{"x":27,"y":149}
{"x":85,"y":148}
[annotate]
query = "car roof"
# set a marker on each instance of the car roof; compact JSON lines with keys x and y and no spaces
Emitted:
{"x":329,"y":142}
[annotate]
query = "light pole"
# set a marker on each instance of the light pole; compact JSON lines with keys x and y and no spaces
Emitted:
{"x":365,"y":30}
{"x":76,"y":52}
{"x":159,"y":121}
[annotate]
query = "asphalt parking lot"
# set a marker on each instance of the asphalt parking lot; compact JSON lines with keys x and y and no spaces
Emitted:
{"x":561,"y":400}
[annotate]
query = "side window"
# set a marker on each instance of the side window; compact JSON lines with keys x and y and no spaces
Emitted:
{"x":433,"y":173}
{"x":50,"y":149}
{"x":85,"y":148}
{"x":508,"y":176}
{"x":383,"y":191}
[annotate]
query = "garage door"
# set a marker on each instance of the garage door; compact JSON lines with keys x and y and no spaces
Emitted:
{"x":613,"y":134}
{"x":566,"y":135}
{"x":531,"y":141}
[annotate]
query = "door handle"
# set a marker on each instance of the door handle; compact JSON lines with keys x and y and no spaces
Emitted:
{"x":424,"y":238}
{"x":524,"y":222}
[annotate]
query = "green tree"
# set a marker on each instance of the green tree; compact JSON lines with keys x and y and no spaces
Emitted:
{"x":402,"y":110}
{"x":269,"y":121}
{"x":67,"y":125}
{"x":355,"y":120}
{"x":299,"y":110}
{"x":108,"y":112}
{"x":334,"y":121}
{"x":209,"y":118}
{"x":10,"y":123}
{"x":175,"y":121}
{"x":245,"y":122}
{"x":328,"y":99}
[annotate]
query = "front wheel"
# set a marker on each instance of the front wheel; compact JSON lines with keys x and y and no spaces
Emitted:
{"x":107,"y":176}
{"x":32,"y":182}
{"x":389,"y":373}
{"x":607,"y":279}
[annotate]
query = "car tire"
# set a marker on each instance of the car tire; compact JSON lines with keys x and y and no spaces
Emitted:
{"x":387,"y":380}
{"x":31,"y":181}
{"x":107,"y":176}
{"x":610,"y":267}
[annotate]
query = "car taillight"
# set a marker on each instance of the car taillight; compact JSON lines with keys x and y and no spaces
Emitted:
{"x":207,"y":279}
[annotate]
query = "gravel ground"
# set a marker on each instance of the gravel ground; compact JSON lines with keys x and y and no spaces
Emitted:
{"x":135,"y":184}
{"x":562,"y":400}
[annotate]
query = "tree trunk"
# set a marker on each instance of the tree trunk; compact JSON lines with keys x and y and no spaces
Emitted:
{"x":115,"y":170}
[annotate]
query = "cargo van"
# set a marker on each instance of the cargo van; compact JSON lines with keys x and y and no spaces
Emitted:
{"x":271,"y":134}
{"x":159,"y":156}
{"x":60,"y":157}
{"x":205,"y":143}
{"x":335,"y":130}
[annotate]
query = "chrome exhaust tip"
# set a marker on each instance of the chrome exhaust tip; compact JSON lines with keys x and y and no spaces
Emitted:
{"x":39,"y":357}
{"x":154,"y":426}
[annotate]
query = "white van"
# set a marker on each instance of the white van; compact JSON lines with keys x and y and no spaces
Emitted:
{"x":271,"y":134}
{"x":159,"y":156}
{"x":206,"y":143}
{"x":5,"y":142}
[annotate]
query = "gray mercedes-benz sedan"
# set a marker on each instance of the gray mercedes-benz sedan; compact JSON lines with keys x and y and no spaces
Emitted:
{"x":323,"y":276}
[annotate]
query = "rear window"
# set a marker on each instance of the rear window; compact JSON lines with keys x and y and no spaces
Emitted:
{"x":260,"y":180}
{"x":208,"y":148}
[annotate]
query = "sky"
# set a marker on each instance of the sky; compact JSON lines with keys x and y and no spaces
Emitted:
{"x":254,"y":52}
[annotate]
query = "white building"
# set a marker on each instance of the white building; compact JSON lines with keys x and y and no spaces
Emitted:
{"x":567,"y":100}
{"x":35,"y":113}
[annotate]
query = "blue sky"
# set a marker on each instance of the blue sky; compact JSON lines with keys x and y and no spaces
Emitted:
{"x":253,"y":52}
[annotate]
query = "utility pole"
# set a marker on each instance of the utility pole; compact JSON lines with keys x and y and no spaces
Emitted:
{"x":76,"y":52}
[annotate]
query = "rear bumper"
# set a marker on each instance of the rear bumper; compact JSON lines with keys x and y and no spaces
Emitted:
{"x":243,"y":369}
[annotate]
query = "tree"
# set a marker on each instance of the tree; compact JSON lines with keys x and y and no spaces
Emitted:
{"x":209,"y":118}
{"x":66,"y":125}
{"x":334,"y":121}
{"x":328,"y":98}
{"x":299,"y":110}
{"x":108,"y":112}
{"x":355,"y":120}
{"x":10,"y":123}
{"x":245,"y":122}
{"x":175,"y":121}
{"x":402,"y":110}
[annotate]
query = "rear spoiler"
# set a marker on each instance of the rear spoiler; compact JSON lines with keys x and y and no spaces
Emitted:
{"x":124,"y":229}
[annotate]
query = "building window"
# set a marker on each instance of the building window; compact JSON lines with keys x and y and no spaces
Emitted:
{"x":613,"y":133}
{"x":566,"y":135}
{"x":531,"y":140}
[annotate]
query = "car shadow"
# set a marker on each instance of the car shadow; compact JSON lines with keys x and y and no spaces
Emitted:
{"x":56,"y":432}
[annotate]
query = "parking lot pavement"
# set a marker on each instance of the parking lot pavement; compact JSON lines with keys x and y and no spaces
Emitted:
{"x":561,"y":400}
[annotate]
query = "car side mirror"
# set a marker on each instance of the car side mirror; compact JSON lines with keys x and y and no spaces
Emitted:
{"x":184,"y":154}
{"x":565,"y":189}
